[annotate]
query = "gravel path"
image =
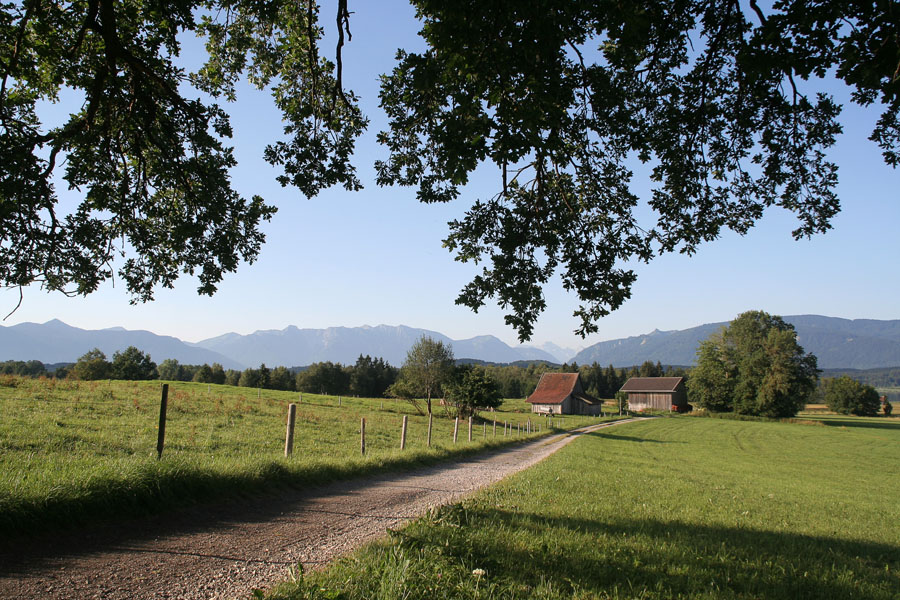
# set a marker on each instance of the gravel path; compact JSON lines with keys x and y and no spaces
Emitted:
{"x":226,"y":550}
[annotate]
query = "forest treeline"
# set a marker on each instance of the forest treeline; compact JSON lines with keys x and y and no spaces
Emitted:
{"x":368,"y":377}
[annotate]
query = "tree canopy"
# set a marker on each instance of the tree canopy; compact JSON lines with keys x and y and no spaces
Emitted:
{"x":724,"y":102}
{"x":132,"y":364}
{"x":847,"y":396}
{"x":92,"y":365}
{"x":754,"y":366}
{"x":429,"y":365}
{"x":473,"y":388}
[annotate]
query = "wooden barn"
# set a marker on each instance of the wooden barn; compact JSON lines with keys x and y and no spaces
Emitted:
{"x":563,"y":394}
{"x":656,"y":393}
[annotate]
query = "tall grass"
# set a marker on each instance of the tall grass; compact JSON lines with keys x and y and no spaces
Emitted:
{"x":668,"y":508}
{"x":74,"y":451}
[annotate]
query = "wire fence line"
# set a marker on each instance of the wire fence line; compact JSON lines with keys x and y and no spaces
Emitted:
{"x":212,"y":420}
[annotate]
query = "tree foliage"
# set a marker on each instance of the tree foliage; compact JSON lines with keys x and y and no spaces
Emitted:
{"x":371,"y":377}
{"x":473,"y":389}
{"x":847,"y":396}
{"x":428,"y":366}
{"x":152,"y":164}
{"x":31,"y":368}
{"x":92,"y":365}
{"x":282,"y":379}
{"x":719,"y":99}
{"x":722,"y":101}
{"x":754,"y":366}
{"x":324,"y":378}
{"x":133,"y":365}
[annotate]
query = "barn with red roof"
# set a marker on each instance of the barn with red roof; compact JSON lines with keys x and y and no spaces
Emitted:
{"x":563,"y":394}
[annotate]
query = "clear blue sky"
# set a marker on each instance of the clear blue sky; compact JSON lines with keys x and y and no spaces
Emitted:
{"x":372,"y":257}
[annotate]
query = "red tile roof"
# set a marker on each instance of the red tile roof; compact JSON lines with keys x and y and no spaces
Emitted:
{"x":553,"y":388}
{"x":652,"y":384}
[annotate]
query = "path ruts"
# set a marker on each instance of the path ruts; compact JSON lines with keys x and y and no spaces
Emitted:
{"x":226,"y":550}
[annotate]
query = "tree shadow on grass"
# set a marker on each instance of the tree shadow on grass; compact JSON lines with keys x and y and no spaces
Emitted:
{"x":628,"y":438}
{"x":667,"y":559}
{"x":868,"y":423}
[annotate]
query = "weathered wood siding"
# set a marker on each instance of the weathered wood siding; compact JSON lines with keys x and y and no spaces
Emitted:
{"x":547,"y":409}
{"x":638,"y":401}
{"x":569,"y":406}
{"x":646,"y":401}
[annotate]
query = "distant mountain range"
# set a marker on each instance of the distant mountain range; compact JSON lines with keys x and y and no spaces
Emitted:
{"x":56,"y":342}
{"x":296,"y":347}
{"x":838,"y":343}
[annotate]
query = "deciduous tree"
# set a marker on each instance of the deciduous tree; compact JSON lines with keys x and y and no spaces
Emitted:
{"x":847,"y":396}
{"x":92,"y":365}
{"x":133,"y":365}
{"x":204,"y":374}
{"x":428,"y":366}
{"x":473,"y":389}
{"x":753,"y":366}
{"x":169,"y":370}
{"x":725,"y":102}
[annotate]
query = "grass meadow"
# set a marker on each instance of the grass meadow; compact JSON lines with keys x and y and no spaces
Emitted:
{"x":73,"y":451}
{"x":679,"y":507}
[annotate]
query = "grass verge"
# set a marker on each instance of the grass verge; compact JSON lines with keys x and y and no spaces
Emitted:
{"x":667,"y":508}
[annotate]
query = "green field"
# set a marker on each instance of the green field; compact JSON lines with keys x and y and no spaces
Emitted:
{"x":71,"y":451}
{"x":680,"y":507}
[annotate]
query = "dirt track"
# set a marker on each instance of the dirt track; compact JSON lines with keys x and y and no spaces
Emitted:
{"x":227,"y":550}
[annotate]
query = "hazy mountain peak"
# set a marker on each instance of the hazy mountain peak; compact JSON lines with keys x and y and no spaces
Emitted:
{"x":836,"y":342}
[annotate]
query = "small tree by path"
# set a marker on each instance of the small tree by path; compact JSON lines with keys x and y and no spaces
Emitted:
{"x":428,"y":366}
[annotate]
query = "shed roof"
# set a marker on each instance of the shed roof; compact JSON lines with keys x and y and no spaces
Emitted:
{"x":554,"y":388}
{"x":652,"y":384}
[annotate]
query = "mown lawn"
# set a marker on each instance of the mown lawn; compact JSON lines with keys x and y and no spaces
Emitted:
{"x":680,"y":507}
{"x":73,"y":451}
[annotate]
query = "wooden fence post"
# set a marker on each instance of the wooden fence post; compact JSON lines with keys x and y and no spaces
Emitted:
{"x":403,"y":433}
{"x":484,"y":431}
{"x":495,"y":427}
{"x":362,"y":436}
{"x":430,"y":419}
{"x":289,"y":434}
{"x":455,"y":429}
{"x":470,"y":428}
{"x":161,"y":438}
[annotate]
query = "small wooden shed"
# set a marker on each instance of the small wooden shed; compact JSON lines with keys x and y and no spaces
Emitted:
{"x":563,"y":394}
{"x":656,"y":393}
